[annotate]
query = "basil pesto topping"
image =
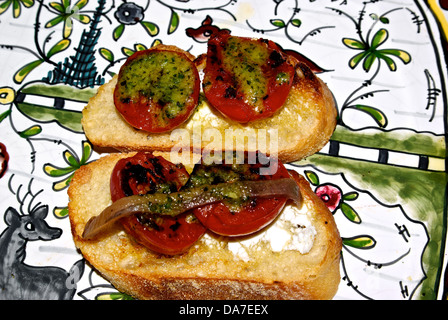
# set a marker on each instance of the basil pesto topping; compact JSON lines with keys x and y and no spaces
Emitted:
{"x":250,"y":62}
{"x":209,"y":175}
{"x":245,"y":59}
{"x":162,"y":78}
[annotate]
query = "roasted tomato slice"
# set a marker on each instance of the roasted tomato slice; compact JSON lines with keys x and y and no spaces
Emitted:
{"x":145,"y":173}
{"x":157,"y":90}
{"x":246,"y":79}
{"x":164,"y":234}
{"x":244,"y":216}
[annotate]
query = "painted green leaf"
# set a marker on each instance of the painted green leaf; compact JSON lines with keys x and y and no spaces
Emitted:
{"x":156,"y":42}
{"x":360,"y":242}
{"x":128,"y":52}
{"x":114,"y":296}
{"x":60,"y":212}
{"x":379,"y":38}
{"x":139,"y":47}
{"x":4,"y":6}
{"x":54,"y":171}
{"x":312,"y":177}
{"x":368,"y":61}
{"x":60,"y":91}
{"x":375,"y":113}
{"x":118,"y":32}
{"x":83,"y":18}
{"x":81,"y":4}
{"x":353,"y":44}
{"x":107,"y":54}
{"x":389,"y":61}
{"x":31,"y":131}
{"x":16,"y":8}
{"x":401,"y":54}
{"x":66,"y":118}
{"x":357,"y":59}
{"x":63,"y":184}
{"x":71,"y":159}
{"x":68,"y":27}
{"x":28,"y":3}
{"x":20,"y":75}
{"x":174,"y":22}
{"x":278,"y":23}
{"x":350,"y":213}
{"x":296,"y":22}
{"x":57,"y":6}
{"x":4,"y":115}
{"x":54,"y":21}
{"x":86,"y":152}
{"x":150,"y":27}
{"x":58,"y":47}
{"x":350,"y":196}
{"x":384,"y":20}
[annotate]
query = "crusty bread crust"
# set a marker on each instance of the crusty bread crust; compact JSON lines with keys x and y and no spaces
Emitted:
{"x":299,"y":129}
{"x":209,"y":270}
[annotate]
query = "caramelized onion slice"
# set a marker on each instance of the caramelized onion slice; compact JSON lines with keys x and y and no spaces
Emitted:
{"x":178,"y":202}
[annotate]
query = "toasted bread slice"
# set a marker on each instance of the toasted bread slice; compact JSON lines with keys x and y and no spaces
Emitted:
{"x":216,"y":267}
{"x":300,"y":128}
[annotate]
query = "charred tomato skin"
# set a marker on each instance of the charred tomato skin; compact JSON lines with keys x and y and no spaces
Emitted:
{"x":145,"y":173}
{"x":253,"y":215}
{"x":246,"y":79}
{"x":157,"y":90}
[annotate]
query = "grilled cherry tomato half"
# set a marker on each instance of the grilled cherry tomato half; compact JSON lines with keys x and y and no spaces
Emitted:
{"x":157,"y":90}
{"x":245,"y":216}
{"x":145,"y":173}
{"x":246,"y":79}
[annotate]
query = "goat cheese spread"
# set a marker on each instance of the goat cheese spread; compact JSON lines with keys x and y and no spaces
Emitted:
{"x":293,"y":230}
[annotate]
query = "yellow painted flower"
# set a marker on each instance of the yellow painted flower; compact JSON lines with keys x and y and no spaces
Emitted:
{"x":74,"y":163}
{"x":16,"y":6}
{"x":66,"y":13}
{"x":7,"y":95}
{"x":369,"y":53}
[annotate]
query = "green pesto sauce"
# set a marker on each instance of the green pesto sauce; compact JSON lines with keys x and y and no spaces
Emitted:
{"x":281,"y":78}
{"x":245,"y":60}
{"x":161,"y":77}
{"x":173,"y":204}
{"x":209,"y":175}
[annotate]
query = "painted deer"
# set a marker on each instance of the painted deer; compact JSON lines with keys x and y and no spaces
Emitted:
{"x":21,"y":281}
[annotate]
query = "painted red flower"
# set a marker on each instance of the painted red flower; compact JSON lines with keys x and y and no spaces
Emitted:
{"x":4,"y":159}
{"x":330,"y":195}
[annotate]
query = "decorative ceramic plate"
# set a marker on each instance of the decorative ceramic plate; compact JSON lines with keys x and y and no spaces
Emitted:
{"x":383,"y":174}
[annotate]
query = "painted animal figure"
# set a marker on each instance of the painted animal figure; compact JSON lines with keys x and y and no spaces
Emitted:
{"x":19,"y":281}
